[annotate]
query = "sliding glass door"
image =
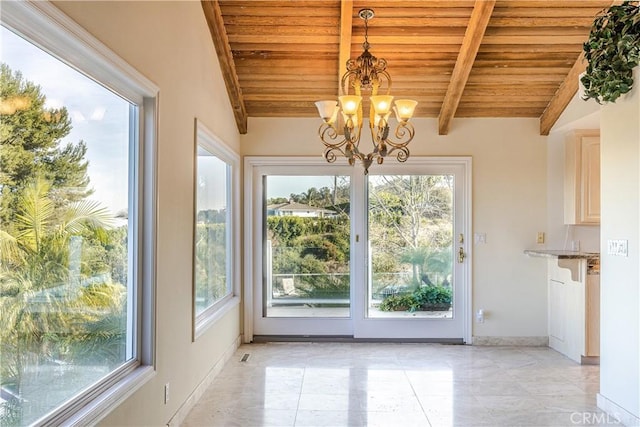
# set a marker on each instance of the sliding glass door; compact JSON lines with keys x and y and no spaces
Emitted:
{"x":334,"y":252}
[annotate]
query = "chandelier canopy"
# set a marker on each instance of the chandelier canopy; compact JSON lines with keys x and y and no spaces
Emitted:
{"x":341,"y":133}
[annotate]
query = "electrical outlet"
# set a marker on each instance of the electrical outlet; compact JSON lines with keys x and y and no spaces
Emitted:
{"x":540,"y":238}
{"x":166,"y":393}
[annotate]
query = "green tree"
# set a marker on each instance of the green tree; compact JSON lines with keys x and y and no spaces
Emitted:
{"x":210,"y":267}
{"x":37,"y":246}
{"x":30,"y":146}
{"x":410,"y":221}
{"x":42,"y":301}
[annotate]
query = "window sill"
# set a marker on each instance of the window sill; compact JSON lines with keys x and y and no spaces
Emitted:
{"x":201,"y":325}
{"x":105,"y":402}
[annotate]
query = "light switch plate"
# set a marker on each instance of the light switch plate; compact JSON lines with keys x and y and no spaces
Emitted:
{"x":618,"y":247}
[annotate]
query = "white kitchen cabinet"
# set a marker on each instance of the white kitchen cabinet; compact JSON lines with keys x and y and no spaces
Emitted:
{"x":582,"y":178}
{"x":574,"y":309}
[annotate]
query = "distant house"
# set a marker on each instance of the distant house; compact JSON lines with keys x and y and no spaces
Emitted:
{"x":292,"y":208}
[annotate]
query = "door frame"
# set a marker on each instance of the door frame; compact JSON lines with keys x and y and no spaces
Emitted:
{"x":253,"y":270}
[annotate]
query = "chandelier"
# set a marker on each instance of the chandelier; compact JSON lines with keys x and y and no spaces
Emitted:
{"x":341,"y":133}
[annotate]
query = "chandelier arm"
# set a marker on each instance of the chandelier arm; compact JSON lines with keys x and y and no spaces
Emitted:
{"x":344,"y":83}
{"x":404,"y":134}
{"x":383,"y":75}
{"x":355,"y":142}
{"x":358,"y":91}
{"x":327,"y":134}
{"x":372,"y":111}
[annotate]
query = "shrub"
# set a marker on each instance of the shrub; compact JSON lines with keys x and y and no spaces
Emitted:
{"x":400,"y":302}
{"x":429,"y":295}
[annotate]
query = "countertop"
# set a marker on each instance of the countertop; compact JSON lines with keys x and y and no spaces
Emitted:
{"x":593,"y":258}
{"x":560,"y":254}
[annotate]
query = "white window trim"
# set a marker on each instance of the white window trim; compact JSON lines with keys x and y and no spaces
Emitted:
{"x":47,"y":27}
{"x":216,"y":146}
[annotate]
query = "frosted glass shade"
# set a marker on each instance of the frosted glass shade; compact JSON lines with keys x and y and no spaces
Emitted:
{"x":405,"y":108}
{"x":382,"y":104}
{"x":327,"y":109}
{"x":350,"y":103}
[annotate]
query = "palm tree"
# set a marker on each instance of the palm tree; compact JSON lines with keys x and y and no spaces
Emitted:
{"x":424,"y":259}
{"x":39,"y":296}
{"x":37,"y":245}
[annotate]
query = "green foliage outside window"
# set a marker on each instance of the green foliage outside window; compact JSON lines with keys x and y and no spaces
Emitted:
{"x":409,"y":230}
{"x":211,"y":265}
{"x":425,"y":297}
{"x":63,"y":261}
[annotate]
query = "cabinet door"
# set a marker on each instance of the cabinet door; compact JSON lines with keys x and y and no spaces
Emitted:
{"x":582,"y":178}
{"x":590,"y":180}
{"x":593,"y":315}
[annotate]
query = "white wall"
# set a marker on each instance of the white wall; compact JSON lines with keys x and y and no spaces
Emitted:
{"x":169,"y":42}
{"x":620,"y":276}
{"x":509,"y":205}
{"x":578,"y":115}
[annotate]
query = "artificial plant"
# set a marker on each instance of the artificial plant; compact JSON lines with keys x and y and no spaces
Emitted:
{"x":612,"y":51}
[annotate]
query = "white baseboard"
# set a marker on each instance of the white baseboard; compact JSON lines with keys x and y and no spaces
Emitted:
{"x":195,"y":396}
{"x":615,"y":413}
{"x":514,"y":341}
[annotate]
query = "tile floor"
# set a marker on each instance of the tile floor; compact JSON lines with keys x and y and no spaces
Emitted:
{"x":365,"y":384}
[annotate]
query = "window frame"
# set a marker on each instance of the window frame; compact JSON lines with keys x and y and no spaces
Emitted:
{"x":51,"y":30}
{"x":216,"y":146}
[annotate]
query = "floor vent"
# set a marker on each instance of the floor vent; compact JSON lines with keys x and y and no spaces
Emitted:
{"x":245,"y":357}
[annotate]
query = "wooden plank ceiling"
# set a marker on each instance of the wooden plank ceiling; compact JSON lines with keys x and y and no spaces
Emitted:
{"x":457,"y":58}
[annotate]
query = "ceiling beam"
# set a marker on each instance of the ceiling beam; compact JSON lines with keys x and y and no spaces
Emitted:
{"x":480,"y":16}
{"x":346,"y":24}
{"x":213,"y":15}
{"x":562,"y":97}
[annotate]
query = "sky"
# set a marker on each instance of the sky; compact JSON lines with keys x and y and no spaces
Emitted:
{"x":212,"y":182}
{"x":284,"y":186}
{"x":99,"y":117}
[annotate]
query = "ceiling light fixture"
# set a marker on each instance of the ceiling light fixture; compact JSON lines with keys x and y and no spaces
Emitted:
{"x":366,"y":73}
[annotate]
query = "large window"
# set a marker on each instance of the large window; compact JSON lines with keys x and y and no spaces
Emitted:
{"x":307,"y":268}
{"x":75,"y":234}
{"x":214,"y":236}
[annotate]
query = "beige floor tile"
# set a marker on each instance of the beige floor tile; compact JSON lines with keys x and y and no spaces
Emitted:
{"x":306,"y":418}
{"x":390,"y":384}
